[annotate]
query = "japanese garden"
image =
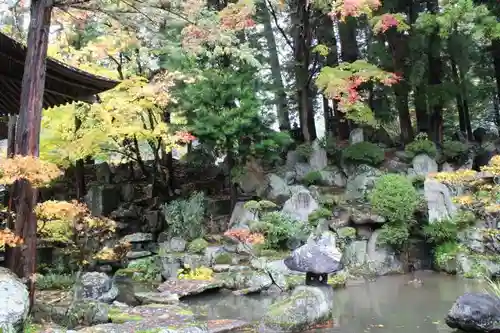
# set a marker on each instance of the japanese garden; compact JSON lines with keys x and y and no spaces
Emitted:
{"x":221,"y":166}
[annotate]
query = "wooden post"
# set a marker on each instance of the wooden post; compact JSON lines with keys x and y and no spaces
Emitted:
{"x":28,"y":134}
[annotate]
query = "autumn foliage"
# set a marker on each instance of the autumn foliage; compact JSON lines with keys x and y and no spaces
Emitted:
{"x":245,"y":236}
{"x":37,"y":172}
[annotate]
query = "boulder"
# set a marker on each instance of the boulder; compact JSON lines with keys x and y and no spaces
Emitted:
{"x":14,"y":302}
{"x":475,"y":312}
{"x":439,"y":203}
{"x":300,"y":205}
{"x":333,"y":177}
{"x":96,"y":286}
{"x":184,"y":288}
{"x":363,"y":215}
{"x":360,"y":181}
{"x":307,"y":306}
{"x":86,"y":313}
{"x":138,"y":237}
{"x":381,"y":259}
{"x":318,"y":160}
{"x":319,"y":255}
{"x":423,"y":165}
{"x":356,"y":136}
{"x":102,"y":199}
{"x":277,"y":189}
{"x":241,"y":216}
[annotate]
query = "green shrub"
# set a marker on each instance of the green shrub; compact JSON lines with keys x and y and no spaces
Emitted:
{"x":363,"y":153}
{"x":319,"y":214}
{"x":223,"y":259}
{"x":304,"y":151}
{"x":441,"y":231}
{"x":144,"y":269}
{"x":260,"y":206}
{"x":55,"y":281}
{"x":312,"y":178}
{"x":444,"y":252}
{"x":185,"y":217}
{"x":328,"y":201}
{"x":278,"y":228}
{"x":395,"y":198}
{"x":454,"y":151}
{"x":197,"y":246}
{"x":421,"y":145}
{"x":394,"y":235}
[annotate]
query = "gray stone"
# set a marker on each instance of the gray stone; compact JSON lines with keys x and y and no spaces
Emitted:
{"x":363,"y":215}
{"x":103,"y":173}
{"x":177,"y":244}
{"x":318,"y":159}
{"x":333,"y":177}
{"x":319,"y":255}
{"x":301,"y":170}
{"x":439,"y":203}
{"x":356,"y":136}
{"x":307,"y":306}
{"x":300,"y":205}
{"x":86,"y":313}
{"x":102,"y":199}
{"x":381,"y":259}
{"x":241,"y":216}
{"x":138,"y":254}
{"x":423,"y":165}
{"x":355,"y":253}
{"x":447,"y":167}
{"x":157,"y":298}
{"x":128,"y":192}
{"x":96,"y":286}
{"x":14,"y":302}
{"x":475,"y":312}
{"x":360,"y":182}
{"x":153,"y":221}
{"x":138,"y":237}
{"x":277,"y":190}
{"x":292,"y":158}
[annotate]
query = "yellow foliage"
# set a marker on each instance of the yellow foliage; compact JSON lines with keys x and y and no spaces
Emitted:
{"x":117,"y":252}
{"x":7,"y":237}
{"x":200,"y":273}
{"x":36,"y":171}
{"x":493,"y":166}
{"x":464,"y":200}
{"x":455,"y":177}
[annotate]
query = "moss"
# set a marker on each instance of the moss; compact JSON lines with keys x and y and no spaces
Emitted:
{"x":347,"y":232}
{"x":197,"y":246}
{"x":337,"y":280}
{"x":312,"y":178}
{"x":223,"y":259}
{"x":294,"y":280}
{"x":118,"y":317}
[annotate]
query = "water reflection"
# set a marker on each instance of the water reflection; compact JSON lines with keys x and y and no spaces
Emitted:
{"x":388,"y":305}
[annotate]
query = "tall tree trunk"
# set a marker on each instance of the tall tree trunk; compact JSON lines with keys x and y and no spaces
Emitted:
{"x":302,"y":43}
{"x":11,"y":136}
{"x":325,"y":35}
{"x":28,"y":135}
{"x":278,"y":86}
{"x":435,"y":78}
{"x":349,"y":52}
{"x":398,"y":44}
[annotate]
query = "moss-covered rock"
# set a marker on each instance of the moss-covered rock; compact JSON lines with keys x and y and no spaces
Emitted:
{"x":338,"y":280}
{"x":223,"y":259}
{"x":197,"y":246}
{"x":306,"y":307}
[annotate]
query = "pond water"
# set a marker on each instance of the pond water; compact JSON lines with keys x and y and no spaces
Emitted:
{"x":388,"y":305}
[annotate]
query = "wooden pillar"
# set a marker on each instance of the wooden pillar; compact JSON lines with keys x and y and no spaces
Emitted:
{"x":28,"y":135}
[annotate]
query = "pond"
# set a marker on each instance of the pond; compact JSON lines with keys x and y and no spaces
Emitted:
{"x":388,"y":305}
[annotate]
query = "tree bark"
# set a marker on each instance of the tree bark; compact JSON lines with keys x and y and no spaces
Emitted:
{"x":28,"y":135}
{"x":302,"y":44}
{"x":435,"y":78}
{"x":278,"y":86}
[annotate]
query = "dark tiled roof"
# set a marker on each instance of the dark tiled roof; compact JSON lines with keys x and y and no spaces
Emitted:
{"x":63,"y":83}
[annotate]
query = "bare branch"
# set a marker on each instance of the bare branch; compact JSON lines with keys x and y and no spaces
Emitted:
{"x":280,"y":29}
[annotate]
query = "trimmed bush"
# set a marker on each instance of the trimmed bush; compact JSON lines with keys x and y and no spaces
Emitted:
{"x":363,"y":153}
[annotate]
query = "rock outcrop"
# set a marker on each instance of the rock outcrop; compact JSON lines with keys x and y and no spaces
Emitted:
{"x":307,"y":306}
{"x":14,"y":302}
{"x":475,"y":312}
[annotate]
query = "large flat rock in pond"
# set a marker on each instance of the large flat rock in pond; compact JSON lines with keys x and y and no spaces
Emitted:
{"x":227,"y":325}
{"x":156,"y":317}
{"x":189,"y":287}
